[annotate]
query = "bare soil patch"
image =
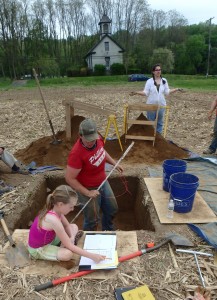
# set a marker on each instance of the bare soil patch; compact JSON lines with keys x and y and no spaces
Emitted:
{"x":44,"y":152}
{"x":26,"y":132}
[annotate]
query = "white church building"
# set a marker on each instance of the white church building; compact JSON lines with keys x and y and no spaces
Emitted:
{"x":107,"y":51}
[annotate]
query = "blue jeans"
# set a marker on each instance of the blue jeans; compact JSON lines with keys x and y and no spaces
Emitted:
{"x":106,"y":202}
{"x":213,"y":145}
{"x":151,"y":115}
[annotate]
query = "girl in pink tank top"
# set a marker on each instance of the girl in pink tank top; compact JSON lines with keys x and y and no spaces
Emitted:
{"x":51,"y":228}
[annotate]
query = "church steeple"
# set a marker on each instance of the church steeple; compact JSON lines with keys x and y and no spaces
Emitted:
{"x":105,"y":26}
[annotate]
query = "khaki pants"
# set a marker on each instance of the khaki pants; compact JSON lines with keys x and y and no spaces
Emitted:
{"x":8,"y":158}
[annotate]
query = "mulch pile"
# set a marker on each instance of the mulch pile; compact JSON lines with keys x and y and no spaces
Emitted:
{"x":43,"y":152}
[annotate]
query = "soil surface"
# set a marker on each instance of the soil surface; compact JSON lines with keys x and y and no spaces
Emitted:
{"x":44,"y":152}
{"x":25,"y":131}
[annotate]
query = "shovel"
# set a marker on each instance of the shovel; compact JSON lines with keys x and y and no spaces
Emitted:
{"x":175,"y":239}
{"x":17,"y":255}
{"x":55,"y":140}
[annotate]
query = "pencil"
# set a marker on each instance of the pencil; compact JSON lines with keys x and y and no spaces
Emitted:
{"x":108,"y":258}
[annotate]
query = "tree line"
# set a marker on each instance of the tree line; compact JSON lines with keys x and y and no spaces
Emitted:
{"x":53,"y":36}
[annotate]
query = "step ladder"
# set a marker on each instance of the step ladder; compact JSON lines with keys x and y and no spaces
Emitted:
{"x":112,"y":119}
{"x":127,"y":121}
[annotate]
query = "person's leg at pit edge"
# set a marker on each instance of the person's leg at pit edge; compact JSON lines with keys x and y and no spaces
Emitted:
{"x":109,"y":207}
{"x":213,"y":146}
{"x":91,"y":212}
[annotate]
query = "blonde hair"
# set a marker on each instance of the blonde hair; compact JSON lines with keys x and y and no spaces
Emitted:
{"x":62,"y":193}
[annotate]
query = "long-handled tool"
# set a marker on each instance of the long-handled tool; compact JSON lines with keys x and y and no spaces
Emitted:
{"x":195,"y":253}
{"x":176,"y":239}
{"x":17,"y":255}
{"x":55,"y":140}
{"x":115,"y":166}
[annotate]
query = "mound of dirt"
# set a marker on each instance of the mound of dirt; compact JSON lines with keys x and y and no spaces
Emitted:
{"x":43,"y":152}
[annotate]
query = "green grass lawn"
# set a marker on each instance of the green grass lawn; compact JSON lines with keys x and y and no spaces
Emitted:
{"x":194,"y":83}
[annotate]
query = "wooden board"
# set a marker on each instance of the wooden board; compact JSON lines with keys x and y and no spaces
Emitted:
{"x":71,"y":105}
{"x":89,"y":107}
{"x":201,"y":212}
{"x":126,"y":244}
{"x":139,"y":137}
{"x":142,"y":107}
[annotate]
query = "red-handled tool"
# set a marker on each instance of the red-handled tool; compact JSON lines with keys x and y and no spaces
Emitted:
{"x":55,"y":282}
{"x":176,"y":239}
{"x":150,"y":244}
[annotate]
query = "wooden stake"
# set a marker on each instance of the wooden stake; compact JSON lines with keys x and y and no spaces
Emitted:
{"x":173,"y":258}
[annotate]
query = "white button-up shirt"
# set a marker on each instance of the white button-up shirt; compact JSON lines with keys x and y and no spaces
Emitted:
{"x":153,"y":96}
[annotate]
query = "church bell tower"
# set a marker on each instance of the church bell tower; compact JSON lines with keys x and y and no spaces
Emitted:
{"x":105,"y":26}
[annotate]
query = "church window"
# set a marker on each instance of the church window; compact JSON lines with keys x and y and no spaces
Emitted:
{"x":106,"y":46}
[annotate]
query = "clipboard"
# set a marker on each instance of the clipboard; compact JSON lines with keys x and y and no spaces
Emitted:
{"x":100,"y":243}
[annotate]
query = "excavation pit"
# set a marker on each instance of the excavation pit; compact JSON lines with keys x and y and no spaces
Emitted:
{"x":130,"y":193}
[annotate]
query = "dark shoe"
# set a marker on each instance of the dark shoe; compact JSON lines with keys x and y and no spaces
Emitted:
{"x":208,"y":151}
{"x":20,"y":168}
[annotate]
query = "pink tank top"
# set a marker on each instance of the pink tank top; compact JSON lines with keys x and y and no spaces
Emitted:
{"x":38,"y":236}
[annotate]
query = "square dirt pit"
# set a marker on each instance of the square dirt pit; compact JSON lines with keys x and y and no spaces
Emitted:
{"x":133,"y":214}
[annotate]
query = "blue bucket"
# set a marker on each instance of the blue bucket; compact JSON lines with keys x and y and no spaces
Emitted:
{"x":171,"y":166}
{"x":183,"y":187}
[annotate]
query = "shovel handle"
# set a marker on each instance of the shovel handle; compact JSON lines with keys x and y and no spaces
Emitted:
{"x":5,"y":228}
{"x":164,"y":242}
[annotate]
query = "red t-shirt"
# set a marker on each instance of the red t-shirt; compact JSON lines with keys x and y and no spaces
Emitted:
{"x":91,"y":163}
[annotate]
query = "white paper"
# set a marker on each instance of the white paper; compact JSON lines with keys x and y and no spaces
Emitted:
{"x":100,"y":241}
{"x":104,"y":244}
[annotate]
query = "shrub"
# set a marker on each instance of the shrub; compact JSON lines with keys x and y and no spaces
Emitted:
{"x":117,"y":69}
{"x":47,"y":67}
{"x":99,"y":70}
{"x":70,"y":72}
{"x":89,"y":72}
{"x":83,"y":71}
{"x":134,"y":71}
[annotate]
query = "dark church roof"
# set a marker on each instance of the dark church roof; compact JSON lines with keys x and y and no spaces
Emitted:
{"x":104,"y":19}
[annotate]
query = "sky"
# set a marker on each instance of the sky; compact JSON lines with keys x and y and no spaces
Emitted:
{"x":195,"y":11}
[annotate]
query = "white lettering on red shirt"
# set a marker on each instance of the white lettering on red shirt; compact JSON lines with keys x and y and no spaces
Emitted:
{"x":98,"y":157}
